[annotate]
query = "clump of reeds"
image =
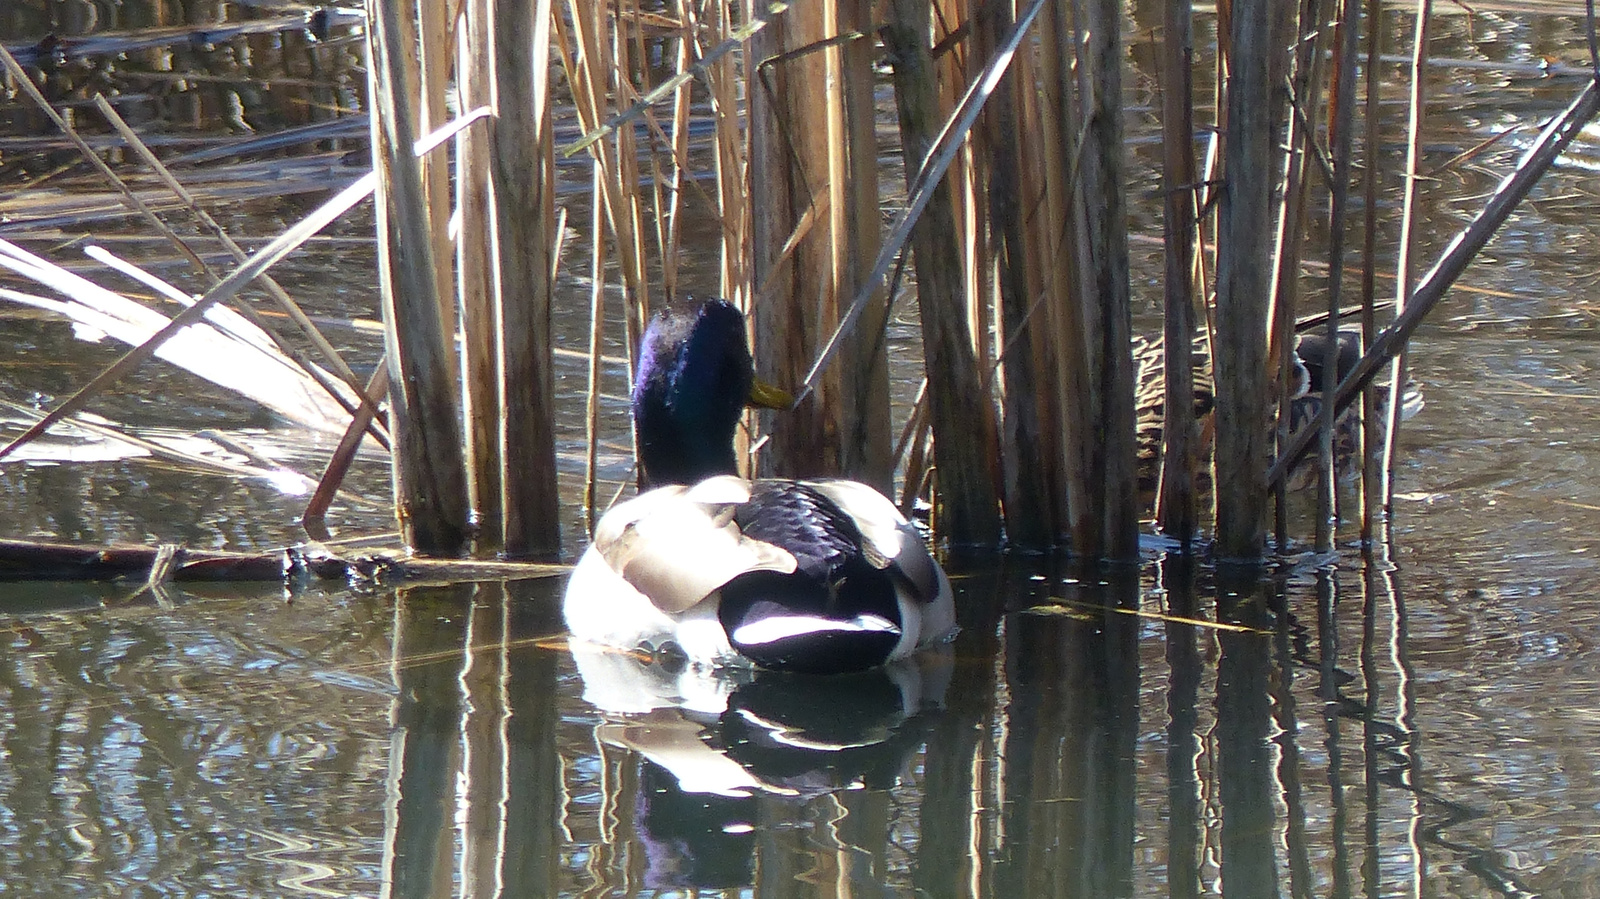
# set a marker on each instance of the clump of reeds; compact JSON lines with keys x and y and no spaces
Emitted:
{"x":1016,"y":214}
{"x":1011,"y":129}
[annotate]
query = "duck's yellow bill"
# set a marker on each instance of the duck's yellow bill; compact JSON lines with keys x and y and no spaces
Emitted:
{"x":769,"y":396}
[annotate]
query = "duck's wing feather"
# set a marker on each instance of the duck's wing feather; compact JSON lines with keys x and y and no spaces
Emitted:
{"x":888,"y":539}
{"x":677,"y":545}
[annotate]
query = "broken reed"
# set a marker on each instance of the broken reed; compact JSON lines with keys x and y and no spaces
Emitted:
{"x":1020,"y":254}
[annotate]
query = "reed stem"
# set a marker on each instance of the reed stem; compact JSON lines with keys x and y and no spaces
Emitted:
{"x":1025,"y":461}
{"x":476,"y":280}
{"x":1341,"y":137}
{"x":1372,"y":497}
{"x":424,"y":418}
{"x":1415,"y":111}
{"x":1244,"y":245}
{"x":1179,"y":460}
{"x":959,"y":409}
{"x":522,"y":174}
{"x":1113,"y":490}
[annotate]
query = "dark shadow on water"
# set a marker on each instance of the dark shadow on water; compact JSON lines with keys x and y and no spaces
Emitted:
{"x":1177,"y":579}
{"x":958,"y":804}
{"x":693,"y":840}
{"x":1072,"y":676}
{"x":1244,"y":720}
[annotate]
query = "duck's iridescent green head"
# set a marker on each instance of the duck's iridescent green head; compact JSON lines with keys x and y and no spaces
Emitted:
{"x":693,"y":381}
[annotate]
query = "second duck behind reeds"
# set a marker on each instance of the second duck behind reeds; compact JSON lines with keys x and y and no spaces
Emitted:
{"x":1305,"y":398}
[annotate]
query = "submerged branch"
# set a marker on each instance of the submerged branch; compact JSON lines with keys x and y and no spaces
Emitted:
{"x":25,"y":560}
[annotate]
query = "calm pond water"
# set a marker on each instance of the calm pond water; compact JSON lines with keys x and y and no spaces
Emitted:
{"x":1422,"y":722}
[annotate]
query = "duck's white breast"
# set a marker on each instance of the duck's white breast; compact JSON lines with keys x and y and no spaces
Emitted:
{"x":601,"y":607}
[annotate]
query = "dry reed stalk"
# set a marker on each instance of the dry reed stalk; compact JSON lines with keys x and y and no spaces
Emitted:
{"x":605,"y":59}
{"x":255,"y":466}
{"x":127,"y":196}
{"x":1207,"y":187}
{"x":429,"y":476}
{"x":914,"y":439}
{"x":1244,"y":245}
{"x":593,"y":75}
{"x":314,"y":520}
{"x":943,"y":152}
{"x":863,"y":417}
{"x":635,"y":65}
{"x":263,"y":259}
{"x":1112,"y":480}
{"x":972,"y":222}
{"x":1025,"y":461}
{"x":670,"y":209}
{"x":780,"y":266}
{"x":720,"y":76}
{"x":627,"y":208}
{"x":1177,"y":502}
{"x":597,"y":319}
{"x":1289,"y":246}
{"x":916,"y":423}
{"x":475,"y":280}
{"x":733,"y":39}
{"x":435,"y":33}
{"x":733,"y":209}
{"x":259,"y":262}
{"x":666,"y":179}
{"x":955,"y":401}
{"x":945,"y":148}
{"x":599,"y":74}
{"x":1054,"y":228}
{"x":788,"y":168}
{"x":522,"y":175}
{"x":1341,"y":128}
{"x":950,"y":65}
{"x":43,"y":561}
{"x":667,"y":201}
{"x":226,"y":349}
{"x":1415,"y":110}
{"x":1372,"y":498}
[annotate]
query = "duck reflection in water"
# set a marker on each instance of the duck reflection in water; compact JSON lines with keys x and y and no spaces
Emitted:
{"x":712,"y":742}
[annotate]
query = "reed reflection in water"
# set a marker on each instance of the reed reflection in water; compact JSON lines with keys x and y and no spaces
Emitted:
{"x":1087,"y":733}
{"x":1114,"y":733}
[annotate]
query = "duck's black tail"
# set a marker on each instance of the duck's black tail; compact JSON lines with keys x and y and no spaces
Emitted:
{"x":792,"y":622}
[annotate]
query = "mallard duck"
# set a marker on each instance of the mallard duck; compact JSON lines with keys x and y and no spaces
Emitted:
{"x":821,"y":576}
{"x":1305,"y":396}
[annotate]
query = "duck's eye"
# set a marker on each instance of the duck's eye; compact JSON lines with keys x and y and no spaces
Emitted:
{"x":669,"y":657}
